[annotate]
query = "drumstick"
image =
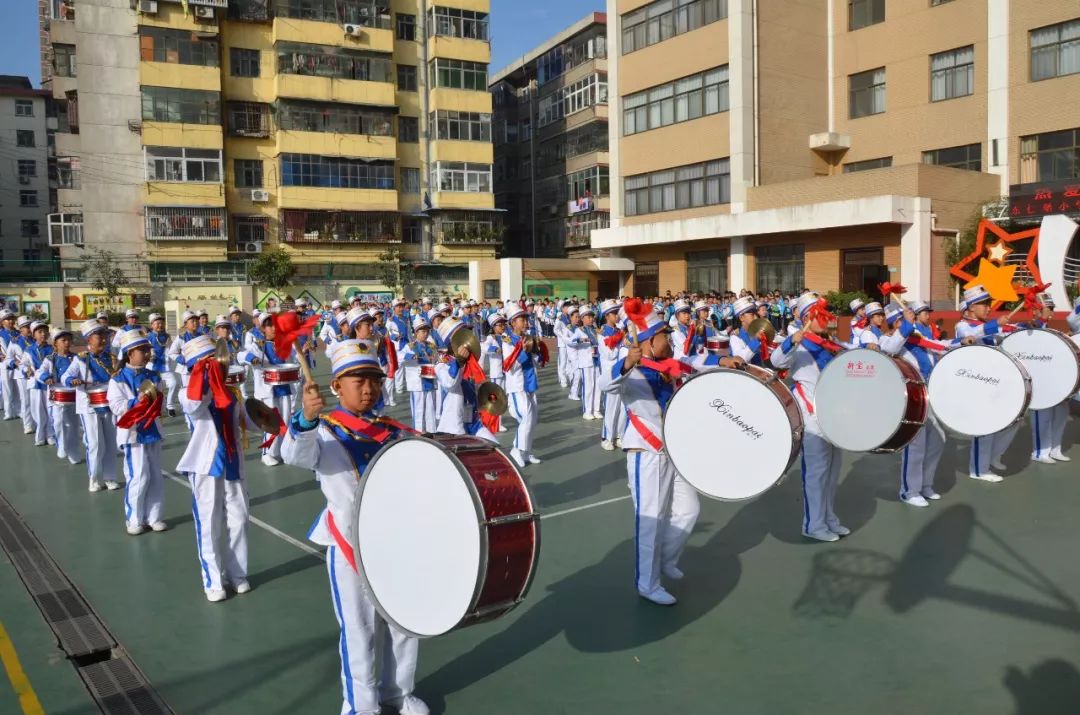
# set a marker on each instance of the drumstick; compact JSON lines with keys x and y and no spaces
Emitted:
{"x":303,"y":362}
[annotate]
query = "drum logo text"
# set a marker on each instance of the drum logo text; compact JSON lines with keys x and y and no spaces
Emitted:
{"x":861,"y":369}
{"x":977,"y":376}
{"x":1032,"y":357}
{"x":725,"y":409}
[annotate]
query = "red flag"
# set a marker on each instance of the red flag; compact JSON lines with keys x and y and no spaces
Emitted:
{"x":888,"y":289}
{"x":288,"y":328}
{"x":391,"y":358}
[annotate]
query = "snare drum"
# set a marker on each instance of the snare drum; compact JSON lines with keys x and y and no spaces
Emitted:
{"x":868,"y":401}
{"x":746,"y":415}
{"x":98,"y":396}
{"x":427,"y":372}
{"x":473,"y":533}
{"x":978,"y":390}
{"x":236,"y":375}
{"x":712,"y":344}
{"x":287,"y":373}
{"x":61,"y":395}
{"x":1051,"y":359}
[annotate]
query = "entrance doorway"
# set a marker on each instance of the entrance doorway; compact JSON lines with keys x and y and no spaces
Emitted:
{"x":863,"y":269}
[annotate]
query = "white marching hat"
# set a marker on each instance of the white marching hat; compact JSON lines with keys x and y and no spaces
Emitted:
{"x":892,"y":312}
{"x":355,"y":315}
{"x":609,"y":306}
{"x":131,"y":313}
{"x":154,"y":316}
{"x":235,"y":310}
{"x":38,"y":324}
{"x":132,"y":339}
{"x":58,"y":333}
{"x":587,"y":310}
{"x":24,"y":320}
{"x":88,"y":327}
{"x":335,"y":304}
{"x":496,"y":317}
{"x":221,"y":322}
{"x":973,"y":295}
{"x":680,"y":305}
{"x":873,"y":308}
{"x":856,"y":304}
{"x":349,"y":355}
{"x":646,"y":321}
{"x":919,"y":306}
{"x":420,"y":322}
{"x":342,"y":318}
{"x":805,"y":302}
{"x":188,"y":315}
{"x":743,"y":305}
{"x":197,"y":348}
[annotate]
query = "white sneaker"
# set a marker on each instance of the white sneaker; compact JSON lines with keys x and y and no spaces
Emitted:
{"x":1056,"y":454}
{"x":213,"y":595}
{"x":563,"y":385}
{"x":839,"y":529}
{"x":408,"y":705}
{"x":1045,"y":459}
{"x":270,"y":460}
{"x":517,"y":456}
{"x":588,"y":416}
{"x":502,"y":428}
{"x":39,"y":444}
{"x":674,"y":573}
{"x":988,"y":477}
{"x":135,"y":529}
{"x":533,"y":459}
{"x":659,"y":596}
{"x":76,"y":460}
{"x":916,"y":500}
{"x":96,"y":486}
{"x":243,"y":587}
{"x":51,"y":442}
{"x":931,"y":495}
{"x":825,"y":535}
{"x":607,"y":445}
{"x":618,"y":444}
{"x":112,"y":485}
{"x":159,"y":526}
{"x":28,"y":430}
{"x":575,"y":398}
{"x":597,"y":416}
{"x":998,"y":464}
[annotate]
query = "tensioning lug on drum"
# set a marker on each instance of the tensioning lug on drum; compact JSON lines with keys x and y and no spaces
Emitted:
{"x":511,"y":518}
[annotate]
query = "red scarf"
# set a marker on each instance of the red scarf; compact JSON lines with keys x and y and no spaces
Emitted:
{"x":823,"y":342}
{"x":209,"y":370}
{"x":670,"y":367}
{"x":614,"y":340}
{"x":473,"y":371}
{"x":391,"y":358}
{"x":918,"y":340}
{"x":142,"y":414}
{"x":689,"y":339}
{"x":508,"y":363}
{"x":361,"y":425}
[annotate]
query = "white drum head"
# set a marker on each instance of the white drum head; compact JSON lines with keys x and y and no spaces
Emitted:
{"x":728,"y":435}
{"x":978,"y":390}
{"x":1050,"y":359}
{"x":860,"y":400}
{"x":418,"y":537}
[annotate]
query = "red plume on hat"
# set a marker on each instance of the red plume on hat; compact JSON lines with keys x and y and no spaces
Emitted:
{"x":287,"y":328}
{"x":638,"y":311}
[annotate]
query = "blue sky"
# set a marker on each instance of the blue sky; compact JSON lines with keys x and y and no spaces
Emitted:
{"x":517,"y":26}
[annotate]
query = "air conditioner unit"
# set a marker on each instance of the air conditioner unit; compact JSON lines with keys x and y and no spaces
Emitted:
{"x":148,"y":6}
{"x":260,"y":196}
{"x":354,"y":30}
{"x":204,"y":13}
{"x":24,"y":180}
{"x":251,"y":247}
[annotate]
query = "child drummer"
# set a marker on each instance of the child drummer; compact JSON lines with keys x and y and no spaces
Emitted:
{"x":94,"y":368}
{"x":417,"y":358}
{"x":32,"y":359}
{"x":64,"y":421}
{"x":338,"y":447}
{"x":261,"y":352}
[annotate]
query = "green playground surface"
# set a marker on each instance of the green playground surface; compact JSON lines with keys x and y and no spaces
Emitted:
{"x":968,"y":606}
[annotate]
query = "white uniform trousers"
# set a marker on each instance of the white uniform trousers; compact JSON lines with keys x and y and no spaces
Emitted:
{"x":422,"y":404}
{"x":590,"y":392}
{"x":615,"y":418}
{"x":666,"y":508}
{"x":220,"y":508}
{"x":99,"y":438}
{"x":524,"y":409}
{"x":986,"y":449}
{"x":563,"y":364}
{"x":284,"y":407}
{"x":364,"y":638}
{"x":575,"y":384}
{"x":439,"y":395}
{"x":244,"y":384}
{"x":25,"y":410}
{"x":1048,"y":429}
{"x":387,"y":392}
{"x":172,"y":388}
{"x":39,"y":409}
{"x":66,"y":428}
{"x":12,"y":406}
{"x":920,"y":460}
{"x":399,"y":379}
{"x":144,"y":494}
{"x":820,"y":477}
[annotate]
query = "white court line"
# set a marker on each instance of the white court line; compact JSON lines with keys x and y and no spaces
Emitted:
{"x":260,"y":523}
{"x":584,"y":507}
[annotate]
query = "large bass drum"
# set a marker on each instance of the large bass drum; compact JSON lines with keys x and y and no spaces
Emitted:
{"x":977,"y":390}
{"x":868,"y":401}
{"x":447,"y":533}
{"x":732,"y":434}
{"x":1051,"y":359}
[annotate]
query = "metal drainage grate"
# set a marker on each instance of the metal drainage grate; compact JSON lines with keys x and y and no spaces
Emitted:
{"x":114,"y":681}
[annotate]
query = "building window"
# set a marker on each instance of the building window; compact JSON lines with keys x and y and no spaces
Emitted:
{"x":27,"y":168}
{"x":335,"y":172}
{"x":706,"y":271}
{"x":780,"y":268}
{"x":189,"y":223}
{"x":866,"y":93}
{"x":64,"y":229}
{"x":248,"y":173}
{"x":458,"y":74}
{"x":412,"y":231}
{"x":410,"y":180}
{"x":338,"y":118}
{"x":935,"y":3}
{"x":250,"y":229}
{"x":322,"y":61}
{"x":24,"y":137}
{"x":684,"y":187}
{"x":30,"y":228}
{"x":405,"y":27}
{"x":248,"y":119}
{"x":863,"y":270}
{"x":243,"y":63}
{"x":157,"y":44}
{"x":452,"y":22}
{"x":647,"y":279}
{"x":862,"y":13}
{"x":967,"y":157}
{"x":591,"y":182}
{"x":67,"y":172}
{"x":64,"y":64}
{"x":27,"y":198}
{"x":461,"y":126}
{"x":880,"y":163}
{"x":952,"y":74}
{"x":368,"y":13}
{"x":408,"y":130}
{"x":663,"y":19}
{"x":1050,"y":157}
{"x":462,"y":177}
{"x":679,"y":101}
{"x":190,"y":106}
{"x":341,"y":226}
{"x":406,"y":78}
{"x":574,"y":98}
{"x":1055,"y":50}
{"x":491,"y":289}
{"x":165,"y":163}
{"x":24,"y":108}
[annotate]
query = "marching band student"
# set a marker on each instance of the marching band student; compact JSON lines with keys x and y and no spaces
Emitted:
{"x":214,"y":463}
{"x":859,"y":320}
{"x":921,"y":456}
{"x":308,"y":344}
{"x":460,"y":413}
{"x":64,"y":425}
{"x":805,"y":354}
{"x":570,"y":335}
{"x":416,"y":354}
{"x":138,"y":434}
{"x":612,"y":348}
{"x":338,"y":447}
{"x":31,"y":361}
{"x":882,"y":333}
{"x":239,"y":339}
{"x":561,"y":327}
{"x":742,"y":343}
{"x":435,"y":318}
{"x":587,"y":357}
{"x":131,"y":322}
{"x":10,"y":393}
{"x":192,"y":330}
{"x":1048,"y":425}
{"x":95,"y":368}
{"x":203,"y":322}
{"x":331,"y":328}
{"x":491,"y":349}
{"x":18,"y":345}
{"x":276,"y":397}
{"x":986,"y":451}
{"x":387,"y":353}
{"x":398,"y":331}
{"x":160,"y":363}
{"x":683,"y":332}
{"x":103,"y":319}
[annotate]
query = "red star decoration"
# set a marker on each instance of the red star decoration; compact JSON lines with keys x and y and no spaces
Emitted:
{"x":961,"y":270}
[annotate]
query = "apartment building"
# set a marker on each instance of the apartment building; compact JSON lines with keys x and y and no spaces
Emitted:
{"x":828,"y":144}
{"x":551,"y":143}
{"x":24,"y":182}
{"x":196,"y":135}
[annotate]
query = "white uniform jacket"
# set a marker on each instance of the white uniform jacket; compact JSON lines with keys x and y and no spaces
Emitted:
{"x":123,"y":394}
{"x":92,"y":371}
{"x":205,"y":445}
{"x":645,"y":394}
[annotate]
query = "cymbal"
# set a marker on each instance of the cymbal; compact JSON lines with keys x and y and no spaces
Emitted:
{"x":260,"y":414}
{"x":148,"y":389}
{"x":464,"y":336}
{"x":762,"y":325}
{"x":222,"y":353}
{"x":491,"y":398}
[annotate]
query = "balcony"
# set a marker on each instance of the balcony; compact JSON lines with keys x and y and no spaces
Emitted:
{"x":459,"y":48}
{"x":65,"y":230}
{"x":248,"y":119}
{"x":185,"y":223}
{"x":192,"y":136}
{"x":190,"y":193}
{"x":333,"y":199}
{"x":334,"y":144}
{"x":374,"y":39}
{"x":341,"y":227}
{"x":333,"y":89}
{"x":174,"y":74}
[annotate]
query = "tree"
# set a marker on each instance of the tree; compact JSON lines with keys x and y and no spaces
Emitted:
{"x":394,"y":273}
{"x":105,"y":274}
{"x":272,"y":269}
